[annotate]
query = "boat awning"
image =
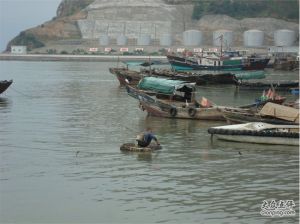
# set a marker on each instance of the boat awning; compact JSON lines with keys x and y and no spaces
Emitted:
{"x":165,"y":86}
{"x":281,"y":112}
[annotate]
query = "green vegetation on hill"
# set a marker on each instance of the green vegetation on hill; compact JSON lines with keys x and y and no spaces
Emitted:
{"x":281,"y":9}
{"x":26,"y":39}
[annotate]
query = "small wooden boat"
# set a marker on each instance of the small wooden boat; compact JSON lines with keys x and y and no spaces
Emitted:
{"x":4,"y":85}
{"x":258,"y":132}
{"x":126,"y":76}
{"x":173,"y":99}
{"x":239,"y":116}
{"x":270,"y":113}
{"x":278,"y":85}
{"x":130,"y":147}
{"x":171,"y":109}
{"x":133,"y":77}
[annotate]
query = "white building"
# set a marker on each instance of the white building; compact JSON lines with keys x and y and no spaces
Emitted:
{"x":18,"y":49}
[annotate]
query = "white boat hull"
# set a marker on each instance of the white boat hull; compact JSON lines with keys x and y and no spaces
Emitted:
{"x":259,"y":139}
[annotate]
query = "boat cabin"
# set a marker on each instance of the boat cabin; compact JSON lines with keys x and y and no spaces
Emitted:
{"x":176,"y":90}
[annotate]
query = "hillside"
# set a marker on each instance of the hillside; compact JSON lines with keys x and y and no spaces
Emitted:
{"x":83,"y":20}
{"x":239,"y":9}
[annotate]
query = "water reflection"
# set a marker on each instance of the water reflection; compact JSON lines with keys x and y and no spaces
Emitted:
{"x":4,"y":102}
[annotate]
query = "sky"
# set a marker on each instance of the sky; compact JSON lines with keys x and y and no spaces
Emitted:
{"x":19,"y":15}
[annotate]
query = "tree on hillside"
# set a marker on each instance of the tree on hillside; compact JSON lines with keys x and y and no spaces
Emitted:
{"x":282,"y":9}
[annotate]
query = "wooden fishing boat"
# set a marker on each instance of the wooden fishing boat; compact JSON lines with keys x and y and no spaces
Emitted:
{"x":199,"y":79}
{"x":126,"y":76}
{"x":171,"y":109}
{"x":258,"y":132}
{"x":270,"y":113}
{"x":133,"y":77}
{"x":130,"y":147}
{"x":279,"y":85}
{"x":239,"y":116}
{"x":4,"y":85}
{"x":172,"y":99}
{"x":213,"y":61}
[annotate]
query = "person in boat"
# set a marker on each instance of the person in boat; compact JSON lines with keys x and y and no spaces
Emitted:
{"x":146,"y":137}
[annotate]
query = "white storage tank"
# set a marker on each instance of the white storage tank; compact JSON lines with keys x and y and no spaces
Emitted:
{"x":104,"y":40}
{"x":284,"y":38}
{"x":253,"y":38}
{"x":144,"y":40}
{"x":192,"y":38}
{"x":122,"y":40}
{"x":166,"y":40}
{"x":226,"y":35}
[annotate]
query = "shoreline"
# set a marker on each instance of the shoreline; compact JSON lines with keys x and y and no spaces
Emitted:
{"x":85,"y":58}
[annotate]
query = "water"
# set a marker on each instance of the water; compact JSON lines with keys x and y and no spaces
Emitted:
{"x":61,"y":128}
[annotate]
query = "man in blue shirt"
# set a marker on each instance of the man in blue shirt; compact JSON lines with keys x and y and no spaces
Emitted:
{"x":147,"y":138}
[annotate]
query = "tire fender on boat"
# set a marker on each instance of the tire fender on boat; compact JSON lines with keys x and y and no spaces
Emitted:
{"x":192,"y":112}
{"x":173,"y":111}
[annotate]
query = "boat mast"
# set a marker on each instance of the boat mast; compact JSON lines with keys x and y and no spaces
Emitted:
{"x":221,"y":39}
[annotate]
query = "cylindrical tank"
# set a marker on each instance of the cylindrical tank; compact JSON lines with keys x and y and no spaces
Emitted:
{"x":192,"y":38}
{"x":104,"y":40}
{"x":122,"y":40}
{"x":144,"y":40}
{"x":253,"y":38}
{"x":285,"y":38}
{"x":166,"y":40}
{"x":223,"y":36}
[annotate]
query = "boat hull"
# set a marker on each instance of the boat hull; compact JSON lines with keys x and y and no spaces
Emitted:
{"x":126,"y":76}
{"x":259,"y":139}
{"x":258,"y":132}
{"x":4,"y":85}
{"x":167,"y":111}
{"x":181,"y":63}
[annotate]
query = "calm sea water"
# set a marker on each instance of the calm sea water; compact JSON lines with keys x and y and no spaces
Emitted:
{"x":61,"y":128}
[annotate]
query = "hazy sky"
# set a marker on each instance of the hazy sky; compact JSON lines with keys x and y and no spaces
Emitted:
{"x":19,"y":15}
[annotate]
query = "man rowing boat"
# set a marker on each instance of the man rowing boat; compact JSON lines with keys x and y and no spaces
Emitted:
{"x":146,"y":137}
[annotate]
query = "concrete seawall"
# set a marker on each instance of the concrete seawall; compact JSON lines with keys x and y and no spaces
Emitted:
{"x":87,"y":58}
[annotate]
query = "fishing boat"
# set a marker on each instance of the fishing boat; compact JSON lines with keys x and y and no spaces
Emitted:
{"x":213,"y":61}
{"x":131,"y":147}
{"x":173,"y":99}
{"x":244,"y":116}
{"x":279,"y":85}
{"x":126,"y":76}
{"x":258,"y":132}
{"x":4,"y":85}
{"x":199,"y":79}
